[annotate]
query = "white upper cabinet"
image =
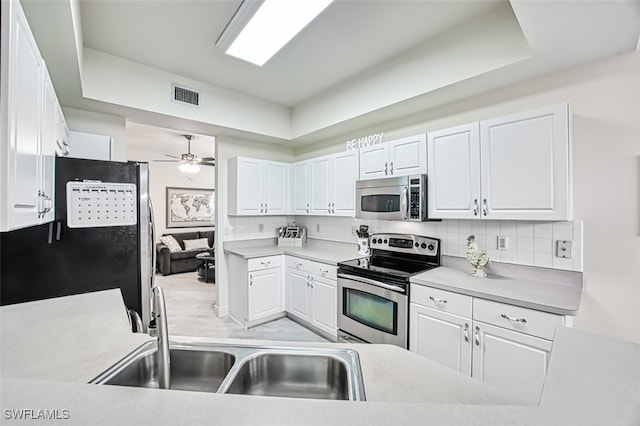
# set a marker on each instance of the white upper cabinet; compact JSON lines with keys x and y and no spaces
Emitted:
{"x":453,"y":178}
{"x":300,"y":188}
{"x":257,"y":187}
{"x":333,"y":184}
{"x":514,"y":167}
{"x":400,"y":157}
{"x":27,"y":110}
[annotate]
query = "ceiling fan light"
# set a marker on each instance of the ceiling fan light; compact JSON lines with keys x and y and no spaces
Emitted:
{"x":189,"y":168}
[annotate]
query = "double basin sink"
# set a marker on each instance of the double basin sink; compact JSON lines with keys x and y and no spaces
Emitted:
{"x":267,"y":371}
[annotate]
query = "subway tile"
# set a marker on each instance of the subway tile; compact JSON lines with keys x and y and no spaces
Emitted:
{"x":495,"y":255}
{"x":542,"y":230}
{"x":493,"y":227}
{"x":465,"y":228}
{"x":543,"y":245}
{"x":562,"y":263}
{"x":478,"y":227}
{"x":524,"y":257}
{"x":524,"y":229}
{"x":543,"y":260}
{"x":508,"y":228}
{"x":453,"y":226}
{"x":562,"y":231}
{"x":524,"y":244}
{"x":508,"y":256}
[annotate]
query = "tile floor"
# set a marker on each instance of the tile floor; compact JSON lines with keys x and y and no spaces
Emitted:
{"x":190,"y":313}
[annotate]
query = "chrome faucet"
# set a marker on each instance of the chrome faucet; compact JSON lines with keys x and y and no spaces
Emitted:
{"x":159,"y":316}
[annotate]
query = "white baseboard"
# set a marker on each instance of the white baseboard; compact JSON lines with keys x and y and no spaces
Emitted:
{"x":221,"y":311}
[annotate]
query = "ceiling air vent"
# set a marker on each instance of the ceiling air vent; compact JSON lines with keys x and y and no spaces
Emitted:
{"x":184,"y":95}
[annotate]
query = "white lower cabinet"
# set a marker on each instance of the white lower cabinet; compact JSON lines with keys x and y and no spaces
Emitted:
{"x":255,"y":289}
{"x":264,"y":293}
{"x":502,"y":345}
{"x":312,"y":294}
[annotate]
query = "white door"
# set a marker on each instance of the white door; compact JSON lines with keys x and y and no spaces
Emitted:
{"x":49,"y":134}
{"x":275,"y":188}
{"x":408,"y":156}
{"x":525,"y":165}
{"x":300,"y":185}
{"x":319,"y":169}
{"x":298,"y":293}
{"x":325,"y":301}
{"x":343,"y":184}
{"x":26,"y":87}
{"x":453,"y":173}
{"x":514,"y":362}
{"x":441,"y":337}
{"x":250,"y":187}
{"x":264,"y":293}
{"x":374,"y":161}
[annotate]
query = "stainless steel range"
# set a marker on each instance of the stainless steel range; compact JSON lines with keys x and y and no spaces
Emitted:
{"x":373,"y":292}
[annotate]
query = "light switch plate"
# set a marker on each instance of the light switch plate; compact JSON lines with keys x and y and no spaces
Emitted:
{"x":563,"y":249}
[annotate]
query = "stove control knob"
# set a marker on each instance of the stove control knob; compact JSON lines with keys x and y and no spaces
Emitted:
{"x":423,"y":245}
{"x":417,"y":245}
{"x":431,"y":247}
{"x":385,"y":241}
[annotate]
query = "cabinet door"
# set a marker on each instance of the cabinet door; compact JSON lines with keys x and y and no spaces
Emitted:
{"x":49,"y":133}
{"x":25,"y":93}
{"x":453,"y":168}
{"x":374,"y":161}
{"x":319,"y":169}
{"x":343,"y":185}
{"x":300,"y":187}
{"x":525,"y":165}
{"x":264,"y":293}
{"x":441,"y":337}
{"x":275,"y":188}
{"x":512,"y":361}
{"x":408,"y":156}
{"x":325,"y":300}
{"x":298,"y":293}
{"x":249,"y":187}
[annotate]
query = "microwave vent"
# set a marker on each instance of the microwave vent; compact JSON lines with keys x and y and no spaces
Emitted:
{"x":184,"y":95}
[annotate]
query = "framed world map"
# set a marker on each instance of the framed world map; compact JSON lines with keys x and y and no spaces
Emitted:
{"x":190,"y":207}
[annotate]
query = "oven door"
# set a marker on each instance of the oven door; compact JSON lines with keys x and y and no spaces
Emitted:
{"x":384,"y":203}
{"x":373,"y":311}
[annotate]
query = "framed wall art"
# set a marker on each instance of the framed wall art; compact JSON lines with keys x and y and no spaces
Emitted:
{"x":190,"y":207}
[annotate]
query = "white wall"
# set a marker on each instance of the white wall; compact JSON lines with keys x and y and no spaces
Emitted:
{"x":100,"y":124}
{"x":605,"y":101}
{"x":163,"y":175}
{"x":228,"y":147}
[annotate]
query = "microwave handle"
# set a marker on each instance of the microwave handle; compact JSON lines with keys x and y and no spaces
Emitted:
{"x":404,"y":203}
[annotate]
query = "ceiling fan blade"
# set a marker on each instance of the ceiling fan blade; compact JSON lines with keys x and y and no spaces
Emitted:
{"x":206,"y":164}
{"x":172,"y":156}
{"x":166,"y":161}
{"x":207,"y":158}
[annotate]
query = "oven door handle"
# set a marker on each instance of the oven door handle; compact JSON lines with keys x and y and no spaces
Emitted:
{"x":395,"y":288}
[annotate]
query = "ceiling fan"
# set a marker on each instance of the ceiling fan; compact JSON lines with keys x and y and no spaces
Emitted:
{"x":190,"y":163}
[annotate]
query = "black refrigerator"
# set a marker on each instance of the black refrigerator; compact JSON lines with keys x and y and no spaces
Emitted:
{"x":102,"y":238}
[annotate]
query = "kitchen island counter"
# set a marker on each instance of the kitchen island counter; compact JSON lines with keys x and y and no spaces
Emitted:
{"x":591,"y":380}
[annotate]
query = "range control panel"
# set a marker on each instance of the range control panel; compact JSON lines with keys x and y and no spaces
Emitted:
{"x":406,"y":243}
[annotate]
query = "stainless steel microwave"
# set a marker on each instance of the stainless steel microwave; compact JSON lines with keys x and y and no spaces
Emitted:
{"x":394,"y":198}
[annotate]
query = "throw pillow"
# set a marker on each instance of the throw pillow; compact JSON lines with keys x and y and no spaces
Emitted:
{"x":171,"y":243}
{"x":200,"y":243}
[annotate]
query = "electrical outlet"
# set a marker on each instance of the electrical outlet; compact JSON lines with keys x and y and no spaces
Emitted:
{"x":563,"y":249}
{"x":260,"y":227}
{"x":503,"y":242}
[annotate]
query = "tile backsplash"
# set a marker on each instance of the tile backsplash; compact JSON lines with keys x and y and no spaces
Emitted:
{"x":528,"y":243}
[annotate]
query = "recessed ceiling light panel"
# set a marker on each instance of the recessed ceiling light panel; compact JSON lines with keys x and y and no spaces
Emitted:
{"x":269,"y":28}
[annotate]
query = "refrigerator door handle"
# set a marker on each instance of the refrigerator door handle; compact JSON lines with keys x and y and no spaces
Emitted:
{"x":50,"y":236}
{"x":152,"y":226}
{"x":58,"y":230}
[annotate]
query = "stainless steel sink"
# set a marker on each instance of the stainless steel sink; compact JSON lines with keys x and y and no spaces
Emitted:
{"x":194,"y":369}
{"x":266,"y":371}
{"x":292,"y":375}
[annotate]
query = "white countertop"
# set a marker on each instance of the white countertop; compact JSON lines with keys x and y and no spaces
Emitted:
{"x":329,"y":252}
{"x":544,"y":295}
{"x":50,"y":348}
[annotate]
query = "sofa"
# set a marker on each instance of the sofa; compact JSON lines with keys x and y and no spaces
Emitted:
{"x":183,"y":260}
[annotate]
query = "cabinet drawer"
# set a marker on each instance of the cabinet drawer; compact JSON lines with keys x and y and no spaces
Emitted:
{"x":442,"y":300}
{"x":524,"y":320}
{"x":313,"y":267}
{"x":259,"y":263}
